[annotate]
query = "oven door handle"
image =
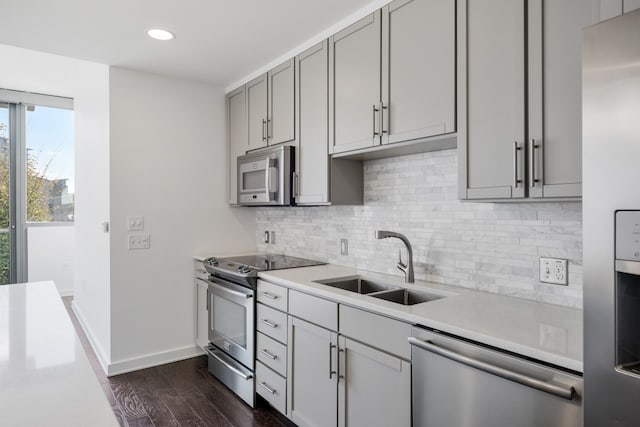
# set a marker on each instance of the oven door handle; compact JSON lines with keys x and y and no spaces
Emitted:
{"x":225,"y":290}
{"x":241,"y":374}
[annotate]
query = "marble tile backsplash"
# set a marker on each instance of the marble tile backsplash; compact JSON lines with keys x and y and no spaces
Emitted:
{"x":492,"y":247}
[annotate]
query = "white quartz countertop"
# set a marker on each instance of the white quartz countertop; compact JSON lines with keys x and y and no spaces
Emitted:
{"x":549,"y":333}
{"x":45,"y":376}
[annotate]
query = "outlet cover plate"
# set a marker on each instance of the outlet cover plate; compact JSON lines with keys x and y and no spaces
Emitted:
{"x":139,"y":241}
{"x":554,"y":271}
{"x":344,"y":247}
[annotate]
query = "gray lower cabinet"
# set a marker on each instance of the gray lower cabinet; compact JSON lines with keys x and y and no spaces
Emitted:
{"x":375,"y":389}
{"x":236,"y":139}
{"x":312,"y":381}
{"x":509,"y":149}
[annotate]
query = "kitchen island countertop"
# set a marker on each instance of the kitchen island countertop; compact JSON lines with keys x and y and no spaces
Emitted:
{"x":45,"y":376}
{"x":541,"y":331}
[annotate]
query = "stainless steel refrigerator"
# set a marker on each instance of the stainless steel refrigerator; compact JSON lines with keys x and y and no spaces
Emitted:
{"x":611,"y":218}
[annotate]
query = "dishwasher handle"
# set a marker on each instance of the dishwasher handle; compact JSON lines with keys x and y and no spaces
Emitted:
{"x":566,"y":392}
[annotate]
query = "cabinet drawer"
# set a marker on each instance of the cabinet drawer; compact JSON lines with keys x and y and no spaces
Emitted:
{"x":272,"y":387}
{"x":378,"y":331}
{"x":313,"y":309}
{"x":272,"y":323}
{"x":272,"y":353}
{"x":272,"y":295}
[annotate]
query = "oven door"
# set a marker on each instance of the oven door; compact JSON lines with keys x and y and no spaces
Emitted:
{"x":231,"y":319}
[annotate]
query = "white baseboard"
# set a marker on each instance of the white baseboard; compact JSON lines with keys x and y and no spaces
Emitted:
{"x":97,"y":349}
{"x":65,"y":292}
{"x":154,"y":359}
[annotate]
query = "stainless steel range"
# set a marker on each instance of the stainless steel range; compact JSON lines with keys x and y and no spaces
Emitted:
{"x":231,"y":304}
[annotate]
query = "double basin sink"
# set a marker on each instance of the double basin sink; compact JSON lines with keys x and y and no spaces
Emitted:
{"x":380,"y":290}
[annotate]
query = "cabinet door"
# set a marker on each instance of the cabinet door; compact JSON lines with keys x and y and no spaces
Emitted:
{"x":257,"y":112}
{"x":354,"y":82}
{"x":281,"y":117}
{"x":376,"y":388}
{"x":492,"y":136}
{"x":555,"y":96}
{"x":312,"y":80}
{"x":630,"y":5}
{"x":236,"y":139}
{"x":418,"y":69}
{"x":312,"y":388}
{"x":202,"y":328}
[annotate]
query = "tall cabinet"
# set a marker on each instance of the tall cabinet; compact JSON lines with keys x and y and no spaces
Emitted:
{"x":392,"y":76}
{"x":521,"y":128}
{"x":236,"y":139}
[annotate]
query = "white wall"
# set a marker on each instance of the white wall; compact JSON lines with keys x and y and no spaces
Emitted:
{"x":52,"y":256}
{"x":87,"y":83}
{"x":167,"y":163}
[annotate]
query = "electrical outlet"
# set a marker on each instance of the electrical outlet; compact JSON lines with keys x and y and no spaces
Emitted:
{"x":139,"y":241}
{"x":344,"y":247}
{"x":553,"y":271}
{"x":266,"y":237}
{"x":135,"y":223}
{"x":273,"y":238}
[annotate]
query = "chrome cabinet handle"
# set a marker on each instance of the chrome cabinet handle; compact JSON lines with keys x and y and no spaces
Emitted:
{"x":565,"y":392}
{"x":375,"y":110}
{"x":533,"y":148}
{"x":341,"y":365}
{"x":331,"y":371}
{"x":296,"y":177}
{"x":269,"y":355}
{"x":269,"y":129}
{"x":268,"y":323}
{"x":264,"y":134}
{"x":266,"y":387}
{"x":382,"y":108}
{"x":516,"y":175}
{"x":269,"y":295}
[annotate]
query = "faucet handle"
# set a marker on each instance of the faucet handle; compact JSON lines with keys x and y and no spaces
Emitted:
{"x":400,"y":263}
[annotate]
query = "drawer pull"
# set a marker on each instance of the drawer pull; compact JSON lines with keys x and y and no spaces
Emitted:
{"x":270,"y":295}
{"x":268,"y":323}
{"x":269,"y":355}
{"x":266,"y":387}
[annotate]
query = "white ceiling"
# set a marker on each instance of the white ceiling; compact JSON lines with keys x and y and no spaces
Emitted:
{"x":217,"y":41}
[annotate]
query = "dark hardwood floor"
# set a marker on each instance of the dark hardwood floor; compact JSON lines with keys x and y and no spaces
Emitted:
{"x":177,"y":394}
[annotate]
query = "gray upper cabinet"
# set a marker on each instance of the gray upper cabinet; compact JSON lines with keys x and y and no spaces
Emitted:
{"x":491,"y":137}
{"x":320,"y":180}
{"x":271,"y":107}
{"x":509,"y":149}
{"x":236,"y":138}
{"x":281,"y":115}
{"x":354,"y":79}
{"x":383,"y":89}
{"x":612,"y":8}
{"x":555,"y":100}
{"x":312,"y":80}
{"x":257,"y":112}
{"x":418,"y":69}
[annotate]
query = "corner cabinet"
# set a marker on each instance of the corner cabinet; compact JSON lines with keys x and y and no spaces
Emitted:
{"x":236,"y":139}
{"x":271,"y":107}
{"x":520,"y":137}
{"x":385,"y":90}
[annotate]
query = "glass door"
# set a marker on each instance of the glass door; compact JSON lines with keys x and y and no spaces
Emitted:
{"x":7,"y":244}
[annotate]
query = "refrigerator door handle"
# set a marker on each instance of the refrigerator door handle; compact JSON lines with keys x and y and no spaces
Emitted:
{"x":566,"y":392}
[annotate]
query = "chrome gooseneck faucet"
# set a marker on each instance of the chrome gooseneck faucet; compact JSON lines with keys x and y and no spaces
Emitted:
{"x":407,"y":269}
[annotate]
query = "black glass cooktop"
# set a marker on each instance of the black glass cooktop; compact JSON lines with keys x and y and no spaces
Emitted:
{"x":272,"y":262}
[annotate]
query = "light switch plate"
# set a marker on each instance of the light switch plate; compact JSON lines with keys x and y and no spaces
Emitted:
{"x":554,"y":271}
{"x":139,"y":241}
{"x":344,"y":247}
{"x":135,"y":223}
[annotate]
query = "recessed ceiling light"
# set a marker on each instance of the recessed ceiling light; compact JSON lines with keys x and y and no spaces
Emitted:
{"x":159,"y":34}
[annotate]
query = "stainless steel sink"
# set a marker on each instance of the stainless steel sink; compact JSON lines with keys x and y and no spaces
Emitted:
{"x":356,"y":284}
{"x":406,"y":296}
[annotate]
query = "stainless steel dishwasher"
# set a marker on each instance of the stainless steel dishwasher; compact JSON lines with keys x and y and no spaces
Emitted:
{"x":460,"y":384}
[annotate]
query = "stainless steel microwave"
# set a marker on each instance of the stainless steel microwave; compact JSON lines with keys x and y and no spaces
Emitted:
{"x":265,"y":177}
